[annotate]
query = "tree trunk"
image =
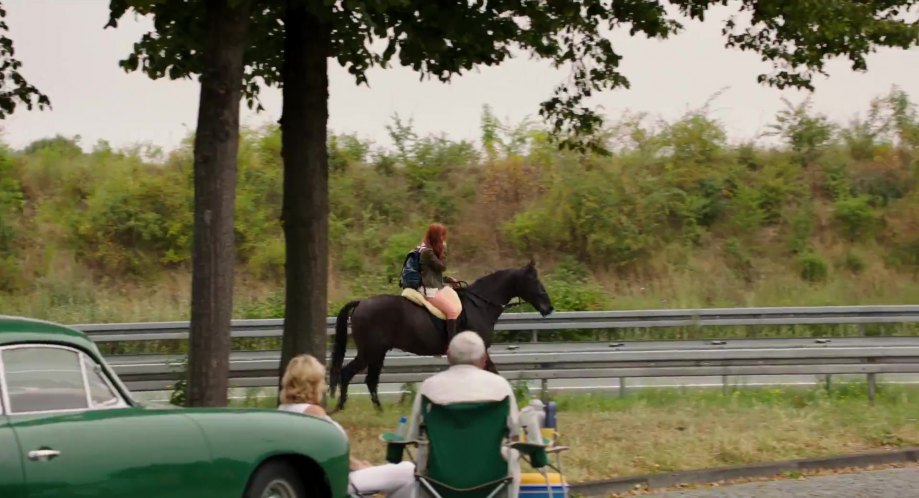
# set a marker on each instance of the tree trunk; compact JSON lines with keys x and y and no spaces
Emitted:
{"x":213,"y":253}
{"x":306,"y":181}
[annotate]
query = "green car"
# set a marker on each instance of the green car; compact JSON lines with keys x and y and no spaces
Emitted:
{"x":69,"y":428}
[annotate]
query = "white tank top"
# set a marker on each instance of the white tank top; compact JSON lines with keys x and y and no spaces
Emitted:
{"x":301,"y":408}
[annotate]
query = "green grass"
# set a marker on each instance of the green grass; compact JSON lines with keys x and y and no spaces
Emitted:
{"x":659,"y":430}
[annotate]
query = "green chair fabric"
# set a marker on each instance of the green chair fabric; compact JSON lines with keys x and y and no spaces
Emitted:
{"x":464,"y":458}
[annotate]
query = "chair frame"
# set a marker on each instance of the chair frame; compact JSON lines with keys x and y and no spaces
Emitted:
{"x":525,"y":451}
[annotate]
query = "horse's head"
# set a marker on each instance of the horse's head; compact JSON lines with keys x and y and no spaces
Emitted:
{"x":531,"y":290}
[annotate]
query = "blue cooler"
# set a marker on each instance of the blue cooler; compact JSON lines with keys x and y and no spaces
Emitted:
{"x":533,"y":485}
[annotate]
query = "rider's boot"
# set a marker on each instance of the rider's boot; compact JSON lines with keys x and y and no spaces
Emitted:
{"x":451,"y":329}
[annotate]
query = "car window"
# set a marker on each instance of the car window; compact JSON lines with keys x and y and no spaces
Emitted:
{"x":43,"y":379}
{"x":100,"y":392}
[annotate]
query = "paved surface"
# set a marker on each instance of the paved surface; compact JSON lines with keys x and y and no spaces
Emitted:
{"x":891,"y":483}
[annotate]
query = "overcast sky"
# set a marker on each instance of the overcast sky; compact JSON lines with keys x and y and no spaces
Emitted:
{"x":69,"y":56}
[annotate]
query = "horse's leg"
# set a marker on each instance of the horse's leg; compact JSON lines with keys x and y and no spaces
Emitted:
{"x":347,"y":373}
{"x":374,"y":367}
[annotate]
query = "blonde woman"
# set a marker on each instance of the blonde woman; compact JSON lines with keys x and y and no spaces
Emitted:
{"x":301,"y":392}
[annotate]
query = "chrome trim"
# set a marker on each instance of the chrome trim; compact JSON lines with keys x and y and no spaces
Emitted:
{"x":89,"y":399}
{"x":121,"y":403}
{"x":4,"y":399}
{"x":43,"y":455}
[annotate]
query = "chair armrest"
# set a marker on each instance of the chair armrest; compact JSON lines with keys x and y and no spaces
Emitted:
{"x":395,"y":446}
{"x":556,"y":449}
{"x":527,"y":448}
{"x":535,"y":452}
{"x":396,"y":439}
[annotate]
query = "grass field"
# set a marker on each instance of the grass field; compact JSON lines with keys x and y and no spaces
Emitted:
{"x":669,"y":429}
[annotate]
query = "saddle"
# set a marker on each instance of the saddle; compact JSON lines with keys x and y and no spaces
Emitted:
{"x":419,"y":299}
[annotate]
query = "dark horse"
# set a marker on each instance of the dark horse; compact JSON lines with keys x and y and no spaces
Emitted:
{"x":385,"y":322}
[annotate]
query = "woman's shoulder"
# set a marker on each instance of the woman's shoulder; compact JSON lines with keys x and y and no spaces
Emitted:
{"x":307,"y":408}
{"x":316,"y":411}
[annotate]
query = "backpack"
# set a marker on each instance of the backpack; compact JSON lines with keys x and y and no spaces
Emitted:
{"x":411,"y":270}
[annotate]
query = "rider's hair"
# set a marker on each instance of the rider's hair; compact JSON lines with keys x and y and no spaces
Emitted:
{"x":466,"y":348}
{"x":434,"y":238}
{"x":303,"y":381}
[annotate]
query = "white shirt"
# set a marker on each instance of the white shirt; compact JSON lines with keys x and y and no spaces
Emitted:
{"x":301,"y":408}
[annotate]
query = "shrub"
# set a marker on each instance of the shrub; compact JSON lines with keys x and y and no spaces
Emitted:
{"x":853,"y":263}
{"x":802,"y":224}
{"x":812,"y":268}
{"x":738,"y":260}
{"x":854,"y":216}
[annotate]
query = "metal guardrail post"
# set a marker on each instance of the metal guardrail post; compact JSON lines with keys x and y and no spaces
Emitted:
{"x":535,"y":336}
{"x":724,"y":385}
{"x":621,"y":387}
{"x":872,"y":387}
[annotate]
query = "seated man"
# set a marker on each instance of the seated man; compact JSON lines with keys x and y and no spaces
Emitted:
{"x":467,"y":381}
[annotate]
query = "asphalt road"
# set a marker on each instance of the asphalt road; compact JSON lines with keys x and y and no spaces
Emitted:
{"x":890,"y":483}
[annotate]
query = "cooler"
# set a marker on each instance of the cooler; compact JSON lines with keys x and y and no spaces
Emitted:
{"x":533,"y":485}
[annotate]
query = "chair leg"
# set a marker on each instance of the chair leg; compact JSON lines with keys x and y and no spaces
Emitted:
{"x":497,"y":490}
{"x":545,"y":474}
{"x":430,"y":488}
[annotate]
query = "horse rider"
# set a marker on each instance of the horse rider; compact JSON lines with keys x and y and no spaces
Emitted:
{"x":433,"y":251}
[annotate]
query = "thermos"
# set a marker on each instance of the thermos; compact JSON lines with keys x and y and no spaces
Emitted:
{"x":551,"y":408}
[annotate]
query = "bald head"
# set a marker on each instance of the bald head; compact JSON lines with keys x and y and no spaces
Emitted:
{"x":466,"y":348}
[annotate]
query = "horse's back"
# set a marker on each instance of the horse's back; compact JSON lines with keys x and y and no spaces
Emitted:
{"x":390,"y":321}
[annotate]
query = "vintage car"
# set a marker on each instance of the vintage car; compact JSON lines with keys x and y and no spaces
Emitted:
{"x":69,"y":428}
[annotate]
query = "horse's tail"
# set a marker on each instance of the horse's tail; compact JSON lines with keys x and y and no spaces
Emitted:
{"x":341,"y":342}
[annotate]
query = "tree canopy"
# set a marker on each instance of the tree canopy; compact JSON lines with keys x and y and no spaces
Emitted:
{"x":14,"y":88}
{"x":442,"y":40}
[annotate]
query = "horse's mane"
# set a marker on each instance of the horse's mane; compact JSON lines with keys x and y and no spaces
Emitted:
{"x":485,"y":279}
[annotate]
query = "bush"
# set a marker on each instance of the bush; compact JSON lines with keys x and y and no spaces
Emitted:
{"x":739,"y":261}
{"x":853,"y":263}
{"x":812,"y":268}
{"x":802,"y":224}
{"x":572,"y":288}
{"x":855,"y":217}
{"x":135,"y":223}
{"x":882,"y":183}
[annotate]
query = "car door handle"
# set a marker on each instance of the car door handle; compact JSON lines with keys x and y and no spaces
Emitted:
{"x":43,"y":455}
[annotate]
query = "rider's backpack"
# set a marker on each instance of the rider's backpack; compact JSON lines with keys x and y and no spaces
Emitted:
{"x":411,"y":270}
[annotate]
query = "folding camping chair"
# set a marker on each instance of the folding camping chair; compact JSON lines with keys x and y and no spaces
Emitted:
{"x":460,"y":452}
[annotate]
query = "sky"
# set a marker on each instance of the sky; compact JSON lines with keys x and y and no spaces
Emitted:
{"x":68,"y":55}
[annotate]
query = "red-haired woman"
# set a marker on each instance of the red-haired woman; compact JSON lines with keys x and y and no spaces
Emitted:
{"x":433,"y":263}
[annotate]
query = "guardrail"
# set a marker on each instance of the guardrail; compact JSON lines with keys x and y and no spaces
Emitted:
{"x":622,"y":360}
{"x":534,"y":323}
{"x":544,"y":362}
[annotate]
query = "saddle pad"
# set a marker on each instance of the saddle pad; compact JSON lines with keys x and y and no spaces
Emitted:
{"x":418,"y":298}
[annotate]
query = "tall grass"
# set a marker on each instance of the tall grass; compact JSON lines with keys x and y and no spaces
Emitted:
{"x":659,"y":430}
